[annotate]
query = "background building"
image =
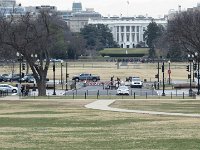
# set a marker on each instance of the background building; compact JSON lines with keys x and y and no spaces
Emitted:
{"x":77,"y":18}
{"x":8,"y":7}
{"x":36,"y":9}
{"x":128,"y":32}
{"x":76,"y":7}
{"x":7,"y":3}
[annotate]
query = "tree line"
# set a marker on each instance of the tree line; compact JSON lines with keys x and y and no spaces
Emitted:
{"x":179,"y":38}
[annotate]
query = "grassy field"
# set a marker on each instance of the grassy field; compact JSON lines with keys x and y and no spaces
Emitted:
{"x":173,"y":106}
{"x":124,"y":51}
{"x":66,"y":124}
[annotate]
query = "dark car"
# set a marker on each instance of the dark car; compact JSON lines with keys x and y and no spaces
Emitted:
{"x":2,"y":78}
{"x":14,"y":77}
{"x":28,"y":79}
{"x":86,"y":76}
{"x":11,"y":77}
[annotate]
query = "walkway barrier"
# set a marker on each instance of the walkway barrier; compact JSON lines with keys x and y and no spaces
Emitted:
{"x":112,"y":94}
{"x":94,"y":83}
{"x":3,"y":93}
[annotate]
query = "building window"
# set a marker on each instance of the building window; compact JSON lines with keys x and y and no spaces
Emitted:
{"x":127,"y":28}
{"x":122,"y":37}
{"x":127,"y":46}
{"x":122,"y":45}
{"x":127,"y":37}
{"x":133,"y":37}
{"x":138,"y":38}
{"x":138,"y":28}
{"x":133,"y":28}
{"x":117,"y":28}
{"x":117,"y":37}
{"x":122,"y":28}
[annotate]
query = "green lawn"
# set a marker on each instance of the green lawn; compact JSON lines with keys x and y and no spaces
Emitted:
{"x":66,"y":124}
{"x":175,"y":106}
{"x":129,"y":52}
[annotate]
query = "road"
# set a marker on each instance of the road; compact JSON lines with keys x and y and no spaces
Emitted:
{"x":93,"y":90}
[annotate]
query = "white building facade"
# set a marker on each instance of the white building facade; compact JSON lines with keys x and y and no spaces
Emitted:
{"x":128,"y":32}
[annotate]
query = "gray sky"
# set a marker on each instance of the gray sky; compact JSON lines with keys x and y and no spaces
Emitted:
{"x":153,"y":8}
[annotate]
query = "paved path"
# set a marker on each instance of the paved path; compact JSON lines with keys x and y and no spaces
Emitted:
{"x":104,"y":105}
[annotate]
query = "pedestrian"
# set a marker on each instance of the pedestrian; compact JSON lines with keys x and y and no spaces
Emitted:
{"x":155,"y":85}
{"x":22,"y":90}
{"x":27,"y":90}
{"x":111,"y":79}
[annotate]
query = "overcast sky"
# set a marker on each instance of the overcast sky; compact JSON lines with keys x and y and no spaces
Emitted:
{"x":153,"y":8}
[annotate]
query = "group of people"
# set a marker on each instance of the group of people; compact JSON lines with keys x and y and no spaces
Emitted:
{"x":116,"y":82}
{"x":24,"y":90}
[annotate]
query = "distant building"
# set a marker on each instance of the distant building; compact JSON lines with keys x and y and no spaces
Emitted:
{"x":77,"y":7}
{"x":172,"y":13}
{"x":128,"y":32}
{"x":78,"y":18}
{"x":8,"y":7}
{"x":65,"y":15}
{"x":7,"y":3}
{"x":37,"y":9}
{"x":197,"y":8}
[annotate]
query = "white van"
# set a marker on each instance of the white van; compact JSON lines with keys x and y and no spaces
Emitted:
{"x":136,"y":82}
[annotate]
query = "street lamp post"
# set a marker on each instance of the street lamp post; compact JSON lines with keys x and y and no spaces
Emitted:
{"x":61,"y":73}
{"x":66,"y":77}
{"x":163,"y":71}
{"x":190,"y":58}
{"x":158,"y":76}
{"x":34,"y":56}
{"x":169,"y":72}
{"x":197,"y":56}
{"x":20,"y":59}
{"x":193,"y":64}
{"x":54,"y":83}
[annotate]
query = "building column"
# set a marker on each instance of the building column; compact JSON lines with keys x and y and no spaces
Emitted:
{"x":125,"y":40}
{"x":120,"y":38}
{"x":131,"y":39}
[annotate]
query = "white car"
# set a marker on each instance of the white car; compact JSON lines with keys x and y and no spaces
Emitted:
{"x":123,"y":90}
{"x":8,"y":88}
{"x":136,"y":82}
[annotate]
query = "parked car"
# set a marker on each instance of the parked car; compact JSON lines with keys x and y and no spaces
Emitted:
{"x":86,"y":76}
{"x":11,"y":77}
{"x":8,"y":88}
{"x":136,"y":82}
{"x":28,"y":79}
{"x":3,"y":78}
{"x":15,"y":77}
{"x":123,"y":90}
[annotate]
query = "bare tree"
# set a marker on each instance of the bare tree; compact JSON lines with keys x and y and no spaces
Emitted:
{"x":30,"y":35}
{"x":184,"y":29}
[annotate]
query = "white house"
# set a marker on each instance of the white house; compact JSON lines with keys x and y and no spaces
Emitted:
{"x":128,"y":32}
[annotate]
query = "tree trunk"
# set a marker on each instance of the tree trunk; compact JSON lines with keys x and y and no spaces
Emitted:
{"x":27,"y":68}
{"x":42,"y":88}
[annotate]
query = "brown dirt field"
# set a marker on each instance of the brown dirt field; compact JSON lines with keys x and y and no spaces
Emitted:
{"x":107,"y":69}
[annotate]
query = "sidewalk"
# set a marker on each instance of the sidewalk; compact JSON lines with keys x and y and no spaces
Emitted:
{"x":14,"y":97}
{"x":104,"y":105}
